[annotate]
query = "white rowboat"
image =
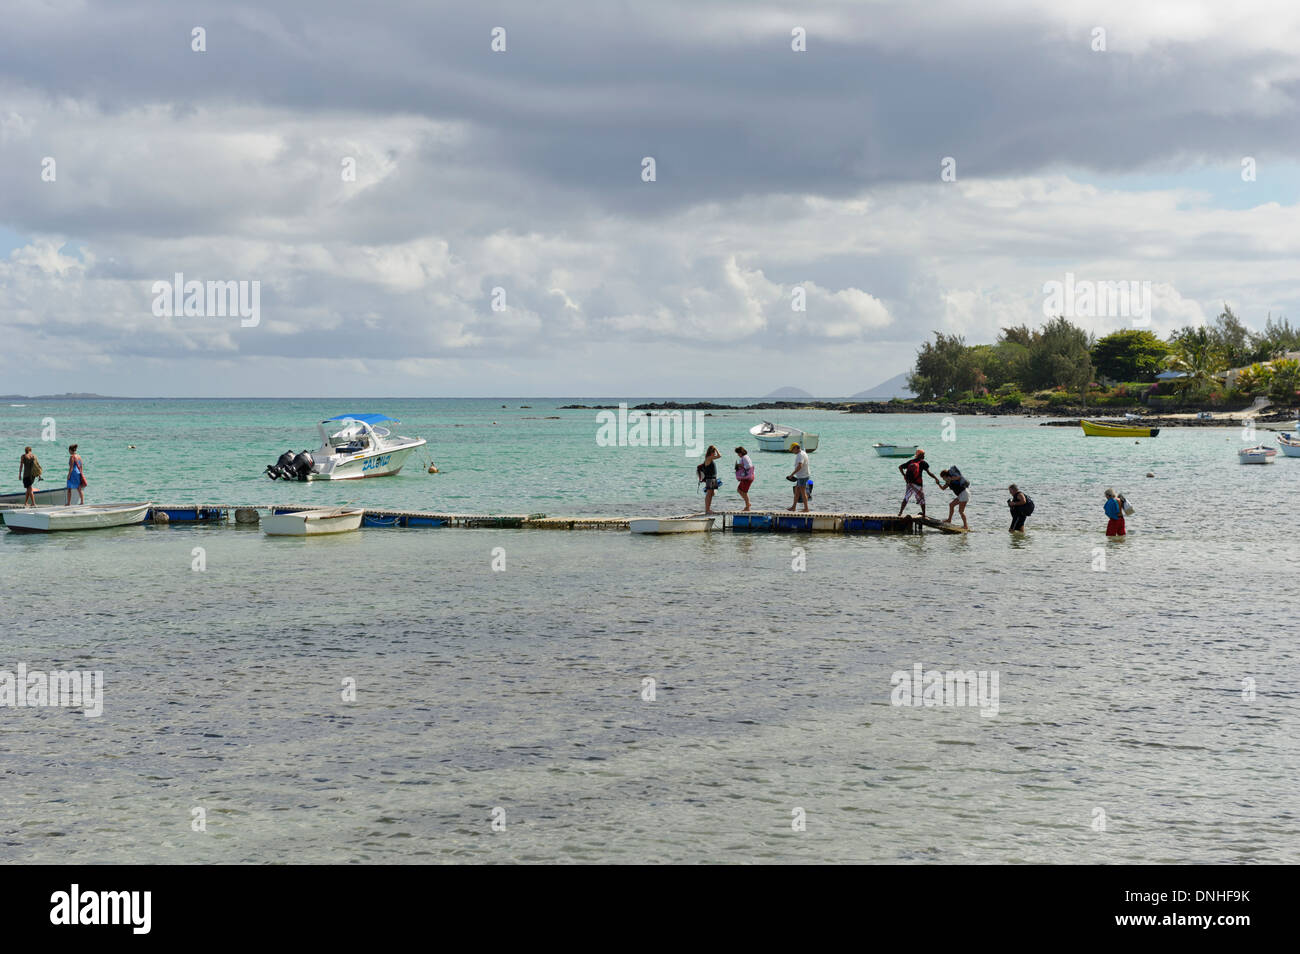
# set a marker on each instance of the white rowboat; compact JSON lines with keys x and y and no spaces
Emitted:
{"x":1257,"y":455}
{"x":1290,"y":444}
{"x":895,"y":450}
{"x":47,"y":497}
{"x":83,"y":517}
{"x":312,"y":523}
{"x":670,"y":524}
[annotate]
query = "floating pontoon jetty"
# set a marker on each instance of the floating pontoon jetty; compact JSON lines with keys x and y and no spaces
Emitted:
{"x":735,"y":520}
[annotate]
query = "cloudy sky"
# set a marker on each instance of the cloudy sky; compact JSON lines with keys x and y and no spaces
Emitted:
{"x":523,"y":170}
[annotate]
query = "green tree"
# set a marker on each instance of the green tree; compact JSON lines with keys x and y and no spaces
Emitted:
{"x":1233,"y":340}
{"x":1130,"y":355}
{"x":1197,"y":354}
{"x":944,"y":367}
{"x":1059,"y":357}
{"x":1277,"y":339}
{"x":1286,"y":381}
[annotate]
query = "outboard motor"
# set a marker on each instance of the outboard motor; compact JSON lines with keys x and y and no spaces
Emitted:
{"x":282,"y":469}
{"x":302,"y":465}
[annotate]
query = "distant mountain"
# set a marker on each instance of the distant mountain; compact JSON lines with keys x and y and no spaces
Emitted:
{"x":50,"y":397}
{"x":789,"y":394}
{"x":895,"y":387}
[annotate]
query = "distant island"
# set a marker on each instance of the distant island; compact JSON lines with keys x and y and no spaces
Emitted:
{"x":70,"y":396}
{"x":788,"y":394}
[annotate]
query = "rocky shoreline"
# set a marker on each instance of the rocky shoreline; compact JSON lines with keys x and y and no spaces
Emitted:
{"x":1062,"y":415}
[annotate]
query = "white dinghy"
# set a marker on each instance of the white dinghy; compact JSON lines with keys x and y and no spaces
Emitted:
{"x":312,"y":523}
{"x":670,"y":524}
{"x":47,"y":497}
{"x":82,"y":517}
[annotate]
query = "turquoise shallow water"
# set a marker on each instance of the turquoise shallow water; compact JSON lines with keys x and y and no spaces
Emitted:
{"x":1121,"y":690}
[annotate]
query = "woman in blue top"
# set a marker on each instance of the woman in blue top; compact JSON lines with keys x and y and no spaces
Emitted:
{"x":76,"y":476}
{"x":1115,"y":511}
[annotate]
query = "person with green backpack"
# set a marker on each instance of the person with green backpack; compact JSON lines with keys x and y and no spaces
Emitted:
{"x":29,"y":471}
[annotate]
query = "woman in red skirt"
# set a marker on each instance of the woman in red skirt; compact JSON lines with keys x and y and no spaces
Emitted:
{"x":1115,"y":511}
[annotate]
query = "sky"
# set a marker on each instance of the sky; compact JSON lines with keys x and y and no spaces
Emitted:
{"x":426,"y":215}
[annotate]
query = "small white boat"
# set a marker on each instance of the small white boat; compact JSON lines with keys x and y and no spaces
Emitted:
{"x":46,"y":497}
{"x":1290,"y":444}
{"x":896,"y":450}
{"x":352,"y":446}
{"x":312,"y":523}
{"x":82,"y":517}
{"x":779,"y":437}
{"x":670,"y":524}
{"x":1257,"y":455}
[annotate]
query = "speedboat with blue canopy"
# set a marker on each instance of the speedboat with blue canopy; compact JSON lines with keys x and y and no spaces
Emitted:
{"x":352,"y":446}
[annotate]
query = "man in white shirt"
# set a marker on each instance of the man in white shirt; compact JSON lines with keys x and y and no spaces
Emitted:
{"x":800,"y":475}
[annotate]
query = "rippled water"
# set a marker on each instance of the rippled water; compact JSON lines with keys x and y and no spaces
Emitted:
{"x":1121,"y":690}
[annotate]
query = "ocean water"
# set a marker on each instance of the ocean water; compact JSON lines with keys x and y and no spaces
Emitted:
{"x":1147,"y":682}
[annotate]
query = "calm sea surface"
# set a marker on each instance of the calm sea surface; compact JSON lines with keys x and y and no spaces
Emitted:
{"x":1158,"y":694}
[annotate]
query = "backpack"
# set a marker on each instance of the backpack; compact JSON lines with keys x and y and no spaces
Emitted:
{"x":1029,"y":505}
{"x":913,"y":472}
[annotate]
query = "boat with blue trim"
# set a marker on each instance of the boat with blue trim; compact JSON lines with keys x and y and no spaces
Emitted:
{"x":352,"y":446}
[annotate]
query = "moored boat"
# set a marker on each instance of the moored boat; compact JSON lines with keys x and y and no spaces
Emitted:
{"x":1290,"y":444}
{"x":47,"y":497}
{"x":313,"y":523}
{"x":81,"y":517}
{"x":352,"y":446}
{"x":1103,"y":429}
{"x":779,"y":437}
{"x":895,"y":450}
{"x":670,"y":524}
{"x":1261,"y":454}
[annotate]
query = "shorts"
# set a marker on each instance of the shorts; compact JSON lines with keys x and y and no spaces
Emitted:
{"x":744,"y":485}
{"x":1115,"y":528}
{"x":27,"y":482}
{"x":914,"y":492}
{"x":802,"y":482}
{"x":964,"y":497}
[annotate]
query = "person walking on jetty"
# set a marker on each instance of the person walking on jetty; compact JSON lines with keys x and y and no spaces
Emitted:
{"x":1021,"y":507}
{"x":1114,"y":507}
{"x":959,"y":485}
{"x":76,"y":476}
{"x":29,"y":469}
{"x":744,"y":474}
{"x":913,"y":472}
{"x":801,"y":476}
{"x":707,"y":474}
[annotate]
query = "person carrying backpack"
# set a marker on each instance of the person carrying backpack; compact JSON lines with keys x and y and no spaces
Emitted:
{"x":1021,"y":507}
{"x":912,"y":472}
{"x":959,"y":485}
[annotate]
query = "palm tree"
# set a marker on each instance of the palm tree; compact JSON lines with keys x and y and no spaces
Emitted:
{"x":1198,"y":358}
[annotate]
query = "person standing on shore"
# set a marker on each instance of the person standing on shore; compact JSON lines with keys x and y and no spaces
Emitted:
{"x":912,"y":472}
{"x":29,"y":469}
{"x":76,"y":476}
{"x":801,"y":476}
{"x":1114,"y":507}
{"x":959,"y":485}
{"x":707,"y":473}
{"x":744,"y":474}
{"x":1021,"y":507}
